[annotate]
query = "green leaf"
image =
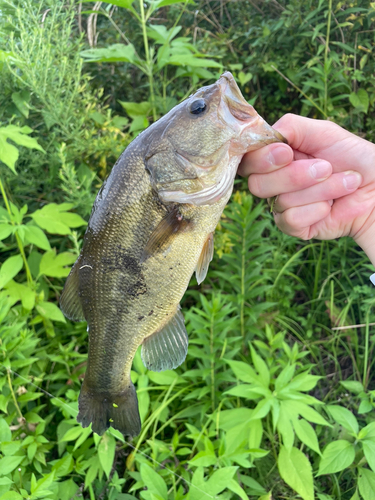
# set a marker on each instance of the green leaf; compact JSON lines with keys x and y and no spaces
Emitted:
{"x":163,"y":3}
{"x":191,"y":60}
{"x":353,"y":386}
{"x":106,"y":452}
{"x":369,"y":451}
{"x":54,"y":265}
{"x":9,"y":153}
{"x":366,"y":483}
{"x":36,"y":236}
{"x":262,"y":409}
{"x":166,"y":377}
{"x":220,"y":479}
{"x":11,"y":495}
{"x":261,"y":367}
{"x":284,"y":377}
{"x":50,"y":311}
{"x":336,"y":457}
{"x":204,"y":459}
{"x":243,"y":371}
{"x":285,"y":428}
{"x":21,"y":100}
{"x":114,"y":53}
{"x":5,"y":231}
{"x":360,"y":100}
{"x":11,"y":267}
{"x":306,"y":433}
{"x":5,"y":432}
{"x":73,"y":433}
{"x":368,"y":432}
{"x":8,"y":464}
{"x":56,"y":219}
{"x":304,"y":382}
{"x":306,"y":412}
{"x":21,"y":292}
{"x":343,"y":417}
{"x":136,"y":109}
{"x":295,"y":470}
{"x":154,"y":482}
{"x":43,"y":484}
{"x":125,"y":4}
{"x":365,"y":406}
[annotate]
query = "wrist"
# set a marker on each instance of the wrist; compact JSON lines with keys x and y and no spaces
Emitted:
{"x":367,"y":243}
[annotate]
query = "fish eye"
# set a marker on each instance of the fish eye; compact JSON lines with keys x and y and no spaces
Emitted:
{"x":197,"y":107}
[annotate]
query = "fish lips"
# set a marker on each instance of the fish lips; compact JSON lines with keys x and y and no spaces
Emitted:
{"x":252,"y":131}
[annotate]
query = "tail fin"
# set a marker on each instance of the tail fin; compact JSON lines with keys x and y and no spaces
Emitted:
{"x":104,"y":409}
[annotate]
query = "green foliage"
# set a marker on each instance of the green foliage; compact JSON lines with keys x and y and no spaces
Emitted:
{"x":271,"y":402}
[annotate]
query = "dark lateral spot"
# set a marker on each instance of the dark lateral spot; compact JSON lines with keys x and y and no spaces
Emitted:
{"x":140,"y":318}
{"x":151,"y":312}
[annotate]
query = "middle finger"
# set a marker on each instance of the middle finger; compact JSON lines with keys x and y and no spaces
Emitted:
{"x":297,"y":175}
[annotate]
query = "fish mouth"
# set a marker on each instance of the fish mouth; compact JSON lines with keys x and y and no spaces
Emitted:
{"x":236,"y":112}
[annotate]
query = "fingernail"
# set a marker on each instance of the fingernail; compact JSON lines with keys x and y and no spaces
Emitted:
{"x":280,"y":156}
{"x":352,"y":180}
{"x":330,"y":202}
{"x":320,"y":170}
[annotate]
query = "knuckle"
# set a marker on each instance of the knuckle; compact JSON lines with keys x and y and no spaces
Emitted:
{"x":255,"y":185}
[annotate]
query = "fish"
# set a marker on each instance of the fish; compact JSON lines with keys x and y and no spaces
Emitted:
{"x":151,"y":227}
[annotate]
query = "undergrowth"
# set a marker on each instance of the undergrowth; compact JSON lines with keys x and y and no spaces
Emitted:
{"x":276,"y":397}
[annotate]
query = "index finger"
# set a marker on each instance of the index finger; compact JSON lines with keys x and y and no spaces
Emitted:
{"x":265,"y":160}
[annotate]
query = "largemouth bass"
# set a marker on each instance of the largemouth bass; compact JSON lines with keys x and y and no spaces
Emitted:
{"x":151,"y":227}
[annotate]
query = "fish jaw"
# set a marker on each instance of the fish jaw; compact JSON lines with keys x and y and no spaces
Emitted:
{"x":252,"y":131}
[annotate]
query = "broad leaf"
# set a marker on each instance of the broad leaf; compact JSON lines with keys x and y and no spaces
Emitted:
{"x":106,"y":452}
{"x":114,"y":53}
{"x":366,"y":484}
{"x":337,"y":456}
{"x":56,"y":219}
{"x":36,"y":236}
{"x":153,"y":481}
{"x":369,"y":451}
{"x":343,"y":417}
{"x":295,"y":470}
{"x":306,"y":433}
{"x":9,"y":153}
{"x":11,"y":267}
{"x":50,"y":311}
{"x":55,"y":265}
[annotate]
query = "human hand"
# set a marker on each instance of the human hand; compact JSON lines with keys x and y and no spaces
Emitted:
{"x":324,"y":181}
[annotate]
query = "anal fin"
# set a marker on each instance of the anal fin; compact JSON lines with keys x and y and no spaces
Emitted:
{"x":70,"y":302}
{"x":205,"y":259}
{"x":167,"y":348}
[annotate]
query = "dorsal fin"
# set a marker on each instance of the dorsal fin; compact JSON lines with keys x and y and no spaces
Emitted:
{"x":162,"y":236}
{"x":205,"y":259}
{"x":70,"y":302}
{"x":167,"y":348}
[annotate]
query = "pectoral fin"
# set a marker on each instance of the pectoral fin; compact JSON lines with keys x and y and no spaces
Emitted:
{"x":205,"y":259}
{"x":70,"y":302}
{"x":165,"y":232}
{"x":167,"y":348}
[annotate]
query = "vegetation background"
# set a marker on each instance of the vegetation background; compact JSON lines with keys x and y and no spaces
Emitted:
{"x":276,"y":397}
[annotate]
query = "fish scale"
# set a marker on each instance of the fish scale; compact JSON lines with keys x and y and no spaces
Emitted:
{"x":151,"y":227}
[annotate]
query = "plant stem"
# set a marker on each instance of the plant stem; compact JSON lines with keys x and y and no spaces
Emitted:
{"x":18,"y":239}
{"x":212,"y":363}
{"x":242,"y":306}
{"x":14,"y":397}
{"x":300,"y":91}
{"x":148,"y":60}
{"x":326,"y":57}
{"x":367,"y":339}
